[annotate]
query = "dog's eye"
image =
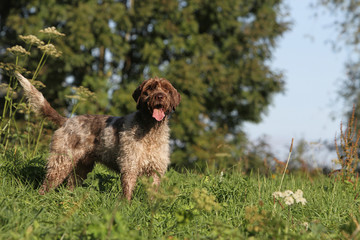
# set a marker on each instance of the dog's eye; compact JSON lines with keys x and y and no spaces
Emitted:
{"x":166,"y":89}
{"x":151,"y":88}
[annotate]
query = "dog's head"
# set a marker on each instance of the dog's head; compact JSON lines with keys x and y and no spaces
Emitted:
{"x":157,"y":96}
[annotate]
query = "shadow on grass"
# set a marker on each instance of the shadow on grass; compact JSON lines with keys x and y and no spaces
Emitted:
{"x":31,"y":171}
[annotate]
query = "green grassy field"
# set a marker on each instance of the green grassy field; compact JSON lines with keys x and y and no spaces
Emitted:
{"x":187,"y":206}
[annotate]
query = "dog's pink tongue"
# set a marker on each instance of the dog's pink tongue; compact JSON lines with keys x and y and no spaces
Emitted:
{"x":158,"y":114}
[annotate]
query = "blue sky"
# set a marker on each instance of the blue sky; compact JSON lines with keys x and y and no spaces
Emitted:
{"x":310,"y":108}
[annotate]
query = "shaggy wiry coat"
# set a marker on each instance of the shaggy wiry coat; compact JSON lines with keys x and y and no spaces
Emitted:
{"x":133,"y":145}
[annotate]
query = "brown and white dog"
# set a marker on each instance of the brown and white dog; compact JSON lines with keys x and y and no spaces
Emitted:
{"x":133,"y":145}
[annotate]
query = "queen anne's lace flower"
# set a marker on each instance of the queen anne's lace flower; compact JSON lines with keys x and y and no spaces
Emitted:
{"x":298,"y":194}
{"x":18,"y":50}
{"x":52,"y":31}
{"x":31,"y":39}
{"x":289,"y":200}
{"x":50,"y":50}
{"x":81,"y":93}
{"x":301,"y":200}
{"x":288,"y":193}
{"x":290,"y":197}
{"x":277,"y":195}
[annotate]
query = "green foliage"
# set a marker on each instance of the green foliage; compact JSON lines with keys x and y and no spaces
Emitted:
{"x":216,"y":53}
{"x":13,"y":164}
{"x":110,"y":225}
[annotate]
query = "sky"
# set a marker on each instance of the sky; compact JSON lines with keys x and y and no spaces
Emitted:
{"x":310,"y":108}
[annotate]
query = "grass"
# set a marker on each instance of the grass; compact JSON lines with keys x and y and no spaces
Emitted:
{"x":187,"y":206}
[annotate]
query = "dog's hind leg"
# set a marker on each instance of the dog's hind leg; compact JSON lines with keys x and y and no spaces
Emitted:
{"x":59,"y":168}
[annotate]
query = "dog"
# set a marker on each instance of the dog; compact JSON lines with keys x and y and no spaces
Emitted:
{"x":133,"y":145}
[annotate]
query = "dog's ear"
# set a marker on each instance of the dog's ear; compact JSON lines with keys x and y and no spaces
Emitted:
{"x":175,"y":98}
{"x":137,"y":93}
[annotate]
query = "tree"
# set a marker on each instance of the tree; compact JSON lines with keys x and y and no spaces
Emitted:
{"x":347,"y":24}
{"x":215,"y":52}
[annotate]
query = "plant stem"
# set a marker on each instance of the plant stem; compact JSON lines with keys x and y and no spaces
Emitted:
{"x":38,"y":138}
{"x":287,"y":163}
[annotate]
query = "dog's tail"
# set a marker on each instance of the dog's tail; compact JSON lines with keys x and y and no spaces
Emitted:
{"x":37,"y":101}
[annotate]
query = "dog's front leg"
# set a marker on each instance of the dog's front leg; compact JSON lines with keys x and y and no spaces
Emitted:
{"x":128,"y":182}
{"x":156,"y":179}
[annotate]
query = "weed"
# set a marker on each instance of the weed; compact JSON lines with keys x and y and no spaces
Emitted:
{"x":9,"y":128}
{"x":8,"y":125}
{"x":80,"y":94}
{"x":287,"y":163}
{"x":348,"y":150}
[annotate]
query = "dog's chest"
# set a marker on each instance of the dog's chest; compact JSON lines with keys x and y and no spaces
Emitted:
{"x":146,"y":151}
{"x":124,"y":142}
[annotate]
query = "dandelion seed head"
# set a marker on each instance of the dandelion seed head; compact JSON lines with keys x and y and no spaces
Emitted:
{"x":18,"y":50}
{"x":31,"y":39}
{"x":52,"y":31}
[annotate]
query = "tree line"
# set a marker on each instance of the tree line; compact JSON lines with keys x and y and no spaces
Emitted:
{"x":216,"y":53}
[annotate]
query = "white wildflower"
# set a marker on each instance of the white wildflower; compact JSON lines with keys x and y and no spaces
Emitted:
{"x":4,"y":87}
{"x":278,"y":195}
{"x":306,"y":225}
{"x":288,"y":193}
{"x":221,"y":176}
{"x":31,"y":39}
{"x":298,"y":196}
{"x":81,"y":94}
{"x":290,"y":197}
{"x":50,"y":50}
{"x":298,"y":193}
{"x":289,"y":200}
{"x":18,"y":50}
{"x":52,"y":31}
{"x":301,"y":200}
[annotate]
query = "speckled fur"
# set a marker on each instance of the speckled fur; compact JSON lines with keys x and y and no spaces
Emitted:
{"x":133,"y":145}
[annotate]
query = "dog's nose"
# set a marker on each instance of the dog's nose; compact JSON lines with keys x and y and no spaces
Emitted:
{"x":160,"y":96}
